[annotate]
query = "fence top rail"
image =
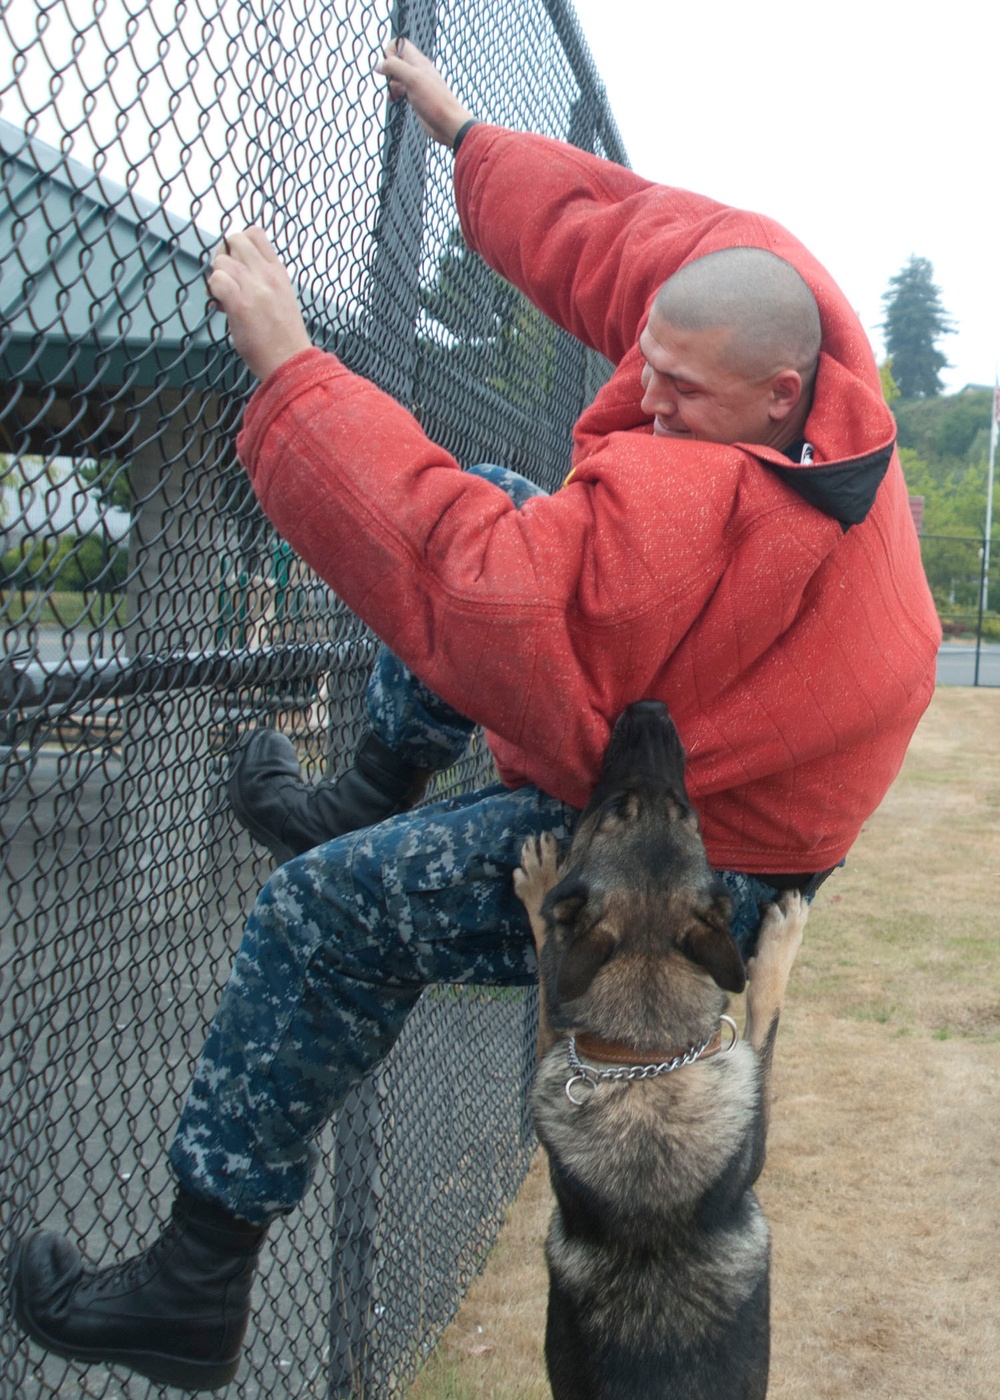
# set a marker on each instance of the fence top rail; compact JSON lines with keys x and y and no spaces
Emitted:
{"x":26,"y":683}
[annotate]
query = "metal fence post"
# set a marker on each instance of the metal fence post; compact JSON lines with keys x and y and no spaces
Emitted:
{"x":357,"y":1202}
{"x":172,"y":604}
{"x":390,"y":361}
{"x":389,"y":357}
{"x":570,"y":369}
{"x":984,"y":564}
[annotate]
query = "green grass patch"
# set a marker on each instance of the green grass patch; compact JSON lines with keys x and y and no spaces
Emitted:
{"x":876,"y":1012}
{"x":63,"y":609}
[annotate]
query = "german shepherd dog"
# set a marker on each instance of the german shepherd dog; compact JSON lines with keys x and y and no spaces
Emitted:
{"x":653,"y":1113}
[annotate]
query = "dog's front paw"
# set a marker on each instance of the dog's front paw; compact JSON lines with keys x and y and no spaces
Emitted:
{"x":777,"y":944}
{"x":538,"y":871}
{"x":780,"y":938}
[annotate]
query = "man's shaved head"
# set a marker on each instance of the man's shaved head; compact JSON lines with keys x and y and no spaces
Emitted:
{"x":759,"y":297}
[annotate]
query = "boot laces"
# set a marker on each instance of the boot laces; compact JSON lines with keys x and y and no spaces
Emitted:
{"x":131,"y":1273}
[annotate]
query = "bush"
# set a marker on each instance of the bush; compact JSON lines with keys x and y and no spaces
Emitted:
{"x":71,"y":564}
{"x":966,"y":625}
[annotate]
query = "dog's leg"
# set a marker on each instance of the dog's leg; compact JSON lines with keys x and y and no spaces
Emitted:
{"x":538,"y":873}
{"x":768,"y":971}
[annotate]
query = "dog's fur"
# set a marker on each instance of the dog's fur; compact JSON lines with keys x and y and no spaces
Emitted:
{"x":658,"y":1251}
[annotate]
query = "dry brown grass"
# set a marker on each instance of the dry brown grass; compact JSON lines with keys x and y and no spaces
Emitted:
{"x":883,"y":1176}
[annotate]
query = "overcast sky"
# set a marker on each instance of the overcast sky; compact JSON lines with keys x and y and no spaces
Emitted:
{"x":869,"y":128}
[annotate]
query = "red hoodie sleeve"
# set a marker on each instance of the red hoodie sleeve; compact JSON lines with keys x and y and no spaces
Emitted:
{"x":587,"y":241}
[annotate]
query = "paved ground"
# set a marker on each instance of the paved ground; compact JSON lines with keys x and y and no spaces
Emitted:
{"x":957,"y":664}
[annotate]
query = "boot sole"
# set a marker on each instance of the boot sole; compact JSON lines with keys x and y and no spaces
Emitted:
{"x":154,"y":1366}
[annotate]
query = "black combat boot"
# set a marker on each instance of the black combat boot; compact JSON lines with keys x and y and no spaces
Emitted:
{"x":175,"y":1313}
{"x":289,"y":816}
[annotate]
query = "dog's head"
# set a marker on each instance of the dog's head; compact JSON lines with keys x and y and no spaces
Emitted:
{"x":638,"y":925}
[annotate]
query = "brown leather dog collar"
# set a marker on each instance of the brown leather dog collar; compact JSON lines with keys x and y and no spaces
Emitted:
{"x":629,"y":1065}
{"x":616,"y":1052}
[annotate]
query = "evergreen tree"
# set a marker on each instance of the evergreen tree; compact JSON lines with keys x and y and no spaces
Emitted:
{"x":501,"y":339}
{"x":890,"y":389}
{"x":914,"y":320}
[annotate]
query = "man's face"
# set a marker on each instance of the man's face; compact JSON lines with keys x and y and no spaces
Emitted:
{"x":690,"y":392}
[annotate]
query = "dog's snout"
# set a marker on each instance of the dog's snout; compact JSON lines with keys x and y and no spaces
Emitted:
{"x":645,"y":745}
{"x":644,"y":718}
{"x":645,"y":758}
{"x":648,"y":709}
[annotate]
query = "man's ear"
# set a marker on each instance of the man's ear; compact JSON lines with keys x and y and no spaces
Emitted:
{"x":786,"y":394}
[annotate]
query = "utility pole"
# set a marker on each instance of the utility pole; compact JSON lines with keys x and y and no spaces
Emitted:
{"x":984,"y":596}
{"x":988,"y":531}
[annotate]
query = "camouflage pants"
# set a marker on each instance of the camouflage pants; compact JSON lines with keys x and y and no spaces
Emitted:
{"x":402,"y":711}
{"x":340,"y":944}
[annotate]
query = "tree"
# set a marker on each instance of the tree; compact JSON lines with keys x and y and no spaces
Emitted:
{"x":943,"y":447}
{"x":109,"y":481}
{"x":10,"y":479}
{"x":500,"y":338}
{"x":949,"y":432}
{"x":890,"y":389}
{"x":914,"y":320}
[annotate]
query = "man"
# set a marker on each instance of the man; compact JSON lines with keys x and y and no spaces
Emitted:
{"x":734,"y":539}
{"x":267,"y":791}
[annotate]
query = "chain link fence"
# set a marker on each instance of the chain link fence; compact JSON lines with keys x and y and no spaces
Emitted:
{"x":964,"y":574}
{"x":150,"y":615}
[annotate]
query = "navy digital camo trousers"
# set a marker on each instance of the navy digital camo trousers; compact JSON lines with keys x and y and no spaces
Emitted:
{"x":341,"y":942}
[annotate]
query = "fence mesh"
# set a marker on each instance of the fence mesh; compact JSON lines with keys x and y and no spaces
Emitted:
{"x":151,"y":616}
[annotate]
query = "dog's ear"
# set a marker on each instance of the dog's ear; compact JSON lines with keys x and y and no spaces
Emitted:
{"x":564,"y":902}
{"x":581,"y":963}
{"x":581,"y":955}
{"x":710,"y":944}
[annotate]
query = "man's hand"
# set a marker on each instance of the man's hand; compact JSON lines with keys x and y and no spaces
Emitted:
{"x":414,"y":77}
{"x":255,"y":292}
